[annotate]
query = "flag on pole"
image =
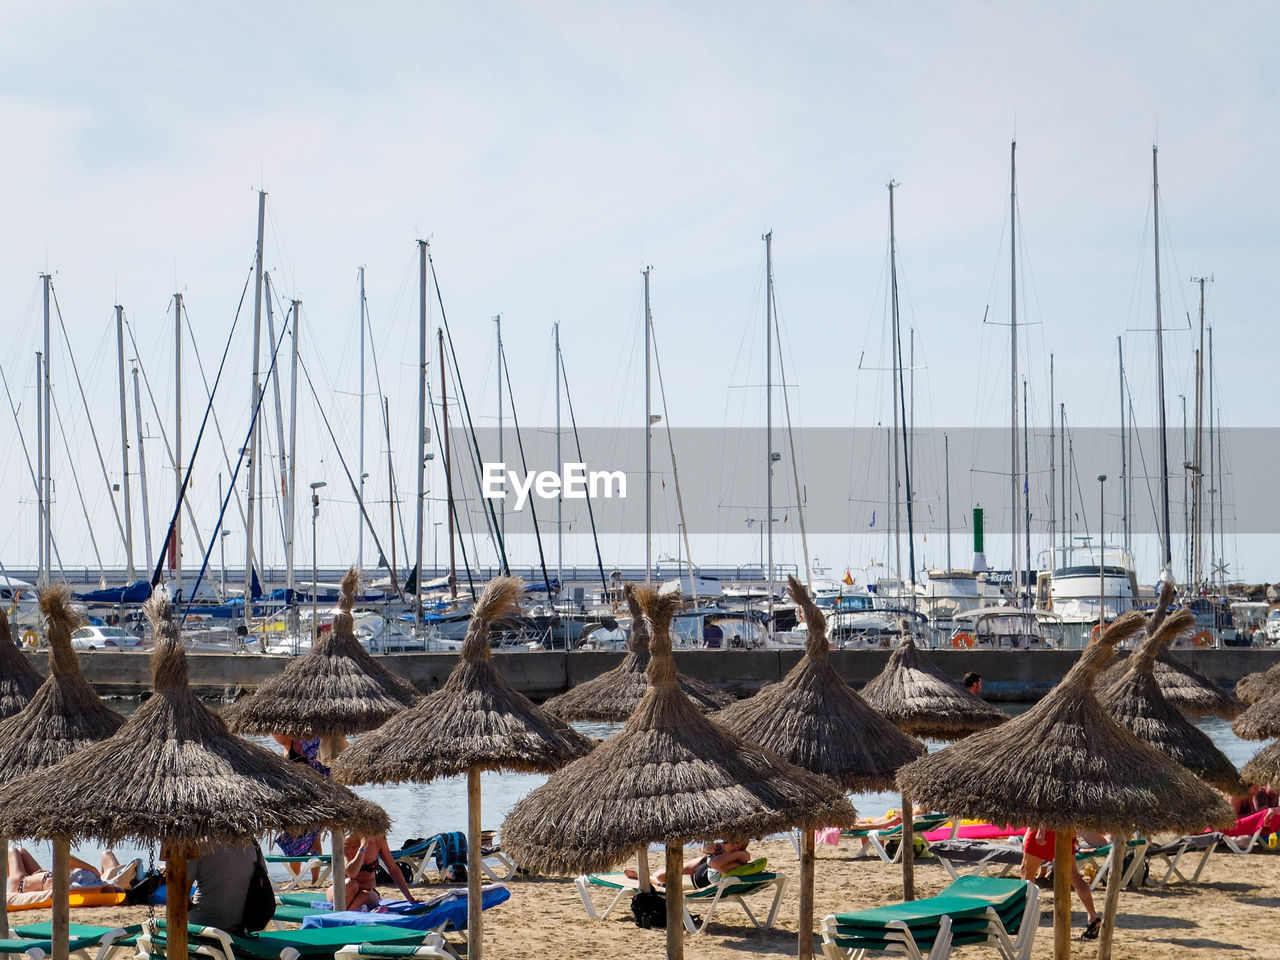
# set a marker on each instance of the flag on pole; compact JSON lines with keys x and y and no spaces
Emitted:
{"x":848,"y":579}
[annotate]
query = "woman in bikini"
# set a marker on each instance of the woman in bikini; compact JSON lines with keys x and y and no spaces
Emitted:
{"x":362,"y":855}
{"x":25,"y":874}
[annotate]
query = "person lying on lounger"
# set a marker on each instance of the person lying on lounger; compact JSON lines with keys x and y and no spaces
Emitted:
{"x":706,"y":870}
{"x":891,"y":819}
{"x":362,"y":855}
{"x":26,"y":874}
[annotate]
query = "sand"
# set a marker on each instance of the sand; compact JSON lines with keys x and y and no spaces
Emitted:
{"x":1227,"y":913}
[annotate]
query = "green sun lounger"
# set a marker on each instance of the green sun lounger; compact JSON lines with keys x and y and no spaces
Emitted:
{"x":434,"y":948}
{"x":304,"y":863}
{"x":973,"y":910}
{"x":734,"y":888}
{"x":322,"y":944}
{"x":94,"y":942}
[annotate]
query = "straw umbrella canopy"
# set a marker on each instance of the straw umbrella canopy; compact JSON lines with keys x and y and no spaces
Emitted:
{"x":1066,"y":765}
{"x":1264,"y":767}
{"x":19,"y":681}
{"x":476,"y":721}
{"x":1138,"y":704}
{"x":670,"y":776}
{"x":173,"y":773}
{"x":812,"y":718}
{"x":63,"y":716}
{"x":1261,"y":721}
{"x":335,"y":690}
{"x":1253,"y":687}
{"x":915,"y":695}
{"x":614,"y":694}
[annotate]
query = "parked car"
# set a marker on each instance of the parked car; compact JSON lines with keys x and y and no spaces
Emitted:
{"x":104,"y":638}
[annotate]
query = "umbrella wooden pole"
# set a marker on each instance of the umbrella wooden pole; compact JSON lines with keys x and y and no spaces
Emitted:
{"x":175,"y":907}
{"x":674,"y":887}
{"x":61,"y":897}
{"x":4,"y":885}
{"x":1114,"y":875}
{"x":475,"y":904}
{"x":330,"y":747}
{"x":807,"y":858}
{"x":642,"y":869}
{"x":1063,"y":861}
{"x":908,"y":850}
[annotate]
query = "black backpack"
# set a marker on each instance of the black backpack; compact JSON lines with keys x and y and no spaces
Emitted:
{"x":649,"y":909}
{"x":260,"y":898}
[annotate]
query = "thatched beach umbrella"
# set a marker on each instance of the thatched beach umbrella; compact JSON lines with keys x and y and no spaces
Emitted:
{"x":1253,"y":687}
{"x":1066,"y":765}
{"x":19,"y":681}
{"x":335,"y":690}
{"x":912,"y":693}
{"x":812,"y":718}
{"x":63,"y":716}
{"x":1264,"y":768}
{"x":173,"y":773}
{"x":475,"y":722}
{"x":1138,"y":704}
{"x":614,"y":694}
{"x":669,"y":776}
{"x":1261,"y":721}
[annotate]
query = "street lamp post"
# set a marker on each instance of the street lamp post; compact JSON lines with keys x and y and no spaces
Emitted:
{"x":1102,"y":554}
{"x":315,"y":575}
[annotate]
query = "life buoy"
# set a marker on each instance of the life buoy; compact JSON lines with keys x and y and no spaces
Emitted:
{"x":962,"y":640}
{"x":1097,"y":629}
{"x":29,"y":639}
{"x":1203,"y":639}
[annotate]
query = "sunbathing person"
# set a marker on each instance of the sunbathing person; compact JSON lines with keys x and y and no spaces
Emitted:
{"x":706,"y":870}
{"x":25,"y":874}
{"x":362,"y":855}
{"x":891,"y":819}
{"x":1037,"y":849}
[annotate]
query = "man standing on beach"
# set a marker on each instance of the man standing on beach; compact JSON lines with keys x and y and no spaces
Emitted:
{"x":973,"y":683}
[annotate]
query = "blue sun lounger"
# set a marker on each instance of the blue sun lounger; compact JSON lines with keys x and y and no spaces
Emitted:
{"x":449,"y":913}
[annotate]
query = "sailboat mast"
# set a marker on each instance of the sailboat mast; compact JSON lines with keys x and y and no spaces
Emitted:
{"x":502,"y":504}
{"x":1066,"y":476}
{"x":1197,"y":469}
{"x":1214,"y":477}
{"x":130,"y":572}
{"x":175,"y":545}
{"x":292,"y":483}
{"x":1026,"y":481}
{"x":448,"y":478}
{"x":1015,"y":570}
{"x":142,"y":471}
{"x":46,"y":410}
{"x":946,"y":461}
{"x":768,"y":415}
{"x":1124,"y":451}
{"x":648,"y":437}
{"x":391,"y":492}
{"x":40,"y":517}
{"x":363,"y":473}
{"x":420,"y":441}
{"x":893,"y":351}
{"x":1164,"y":440}
{"x":559,"y":466}
{"x":1053,"y":466}
{"x":253,"y":406}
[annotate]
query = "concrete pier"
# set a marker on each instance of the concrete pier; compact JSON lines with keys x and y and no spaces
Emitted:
{"x":1013,"y":675}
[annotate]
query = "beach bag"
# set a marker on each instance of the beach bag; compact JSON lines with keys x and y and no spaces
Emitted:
{"x":260,"y":898}
{"x":456,"y":873}
{"x":649,"y":909}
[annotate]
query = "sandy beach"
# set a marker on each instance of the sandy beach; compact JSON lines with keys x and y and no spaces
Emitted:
{"x":1227,"y":913}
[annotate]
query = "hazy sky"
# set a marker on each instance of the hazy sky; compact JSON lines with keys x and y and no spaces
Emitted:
{"x":550,"y":151}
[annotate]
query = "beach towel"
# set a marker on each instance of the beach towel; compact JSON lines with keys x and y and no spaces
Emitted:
{"x":450,"y":908}
{"x":452,"y":848}
{"x":975,"y":831}
{"x":828,"y":835}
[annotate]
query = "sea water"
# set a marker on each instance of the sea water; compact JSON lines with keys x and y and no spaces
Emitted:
{"x":424,"y":809}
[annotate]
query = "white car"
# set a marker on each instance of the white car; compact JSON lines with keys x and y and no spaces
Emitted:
{"x":104,"y":638}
